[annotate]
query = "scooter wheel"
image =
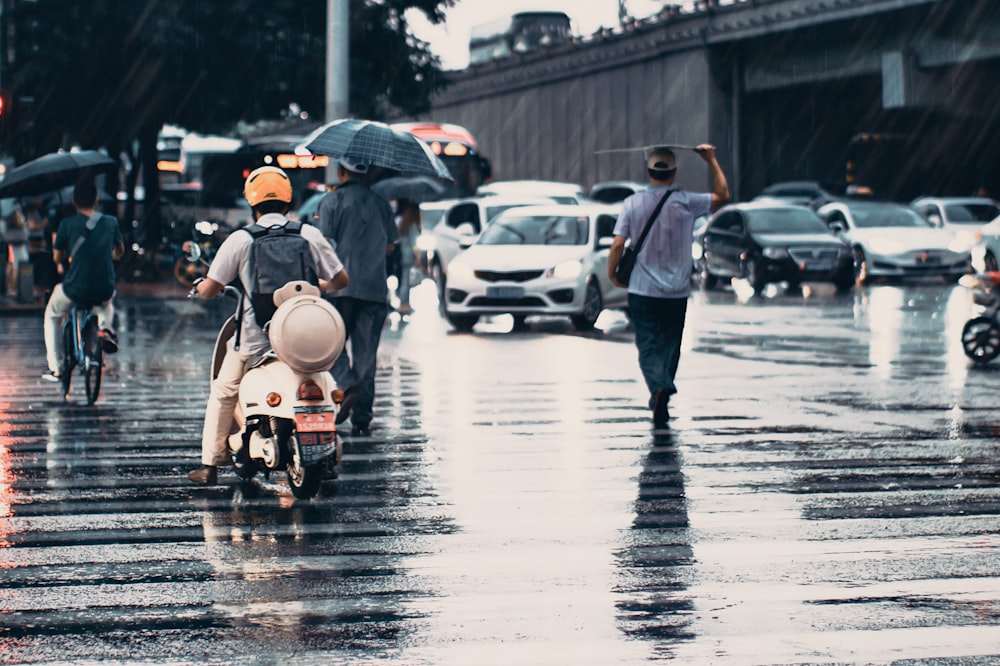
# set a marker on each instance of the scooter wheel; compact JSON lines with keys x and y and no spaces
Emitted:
{"x":981,"y":339}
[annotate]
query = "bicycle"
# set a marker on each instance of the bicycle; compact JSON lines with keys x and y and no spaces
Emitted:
{"x":81,"y":339}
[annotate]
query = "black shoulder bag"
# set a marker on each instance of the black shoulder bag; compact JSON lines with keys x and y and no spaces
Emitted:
{"x":623,"y":270}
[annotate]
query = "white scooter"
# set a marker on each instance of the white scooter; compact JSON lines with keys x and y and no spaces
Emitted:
{"x":288,"y":401}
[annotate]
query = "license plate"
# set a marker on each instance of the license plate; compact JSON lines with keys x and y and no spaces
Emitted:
{"x":505,"y":292}
{"x":315,"y":421}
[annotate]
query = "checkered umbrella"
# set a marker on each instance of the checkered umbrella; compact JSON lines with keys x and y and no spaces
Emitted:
{"x":376,"y":144}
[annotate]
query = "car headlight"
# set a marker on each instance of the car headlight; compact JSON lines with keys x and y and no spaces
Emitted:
{"x":566,"y":270}
{"x":460,"y":271}
{"x":426,"y":242}
{"x":885,"y":246}
{"x":774,"y":252}
{"x":697,"y":251}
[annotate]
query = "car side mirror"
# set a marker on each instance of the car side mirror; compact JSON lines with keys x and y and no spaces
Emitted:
{"x":465,"y":229}
{"x":935,"y":220}
{"x":837,"y":227}
{"x":466,"y":242}
{"x":604,"y":242}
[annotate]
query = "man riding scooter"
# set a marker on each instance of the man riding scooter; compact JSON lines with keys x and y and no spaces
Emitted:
{"x":269,"y":193}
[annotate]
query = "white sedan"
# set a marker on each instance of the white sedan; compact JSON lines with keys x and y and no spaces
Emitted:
{"x":537,"y":260}
{"x":892,"y":240}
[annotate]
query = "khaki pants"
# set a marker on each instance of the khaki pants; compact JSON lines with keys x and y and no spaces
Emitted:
{"x":58,"y":307}
{"x":219,"y":410}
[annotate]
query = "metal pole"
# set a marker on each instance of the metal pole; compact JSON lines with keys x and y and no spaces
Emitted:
{"x":338,"y":26}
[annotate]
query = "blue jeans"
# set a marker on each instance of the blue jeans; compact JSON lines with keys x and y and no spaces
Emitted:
{"x":659,"y":325}
{"x":363,"y":321}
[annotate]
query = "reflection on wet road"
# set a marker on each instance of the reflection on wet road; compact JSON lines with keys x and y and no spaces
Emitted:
{"x":828,"y":492}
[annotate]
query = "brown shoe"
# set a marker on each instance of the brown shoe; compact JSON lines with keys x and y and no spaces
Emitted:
{"x":206,"y":475}
{"x":350,"y":399}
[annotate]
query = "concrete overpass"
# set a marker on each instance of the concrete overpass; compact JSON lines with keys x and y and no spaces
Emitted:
{"x":901,"y":95}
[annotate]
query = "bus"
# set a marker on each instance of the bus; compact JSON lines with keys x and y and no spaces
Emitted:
{"x":523,"y":32}
{"x":457,"y":148}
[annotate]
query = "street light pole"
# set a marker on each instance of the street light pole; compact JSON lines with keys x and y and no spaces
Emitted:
{"x":337,"y":65}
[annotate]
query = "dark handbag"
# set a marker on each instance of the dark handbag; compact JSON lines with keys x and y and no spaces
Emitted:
{"x":623,"y":269}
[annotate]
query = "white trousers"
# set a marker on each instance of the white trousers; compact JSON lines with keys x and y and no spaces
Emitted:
{"x":58,"y":307}
{"x":219,"y":421}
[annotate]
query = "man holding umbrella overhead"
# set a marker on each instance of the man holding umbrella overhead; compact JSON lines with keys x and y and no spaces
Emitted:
{"x":359,"y":225}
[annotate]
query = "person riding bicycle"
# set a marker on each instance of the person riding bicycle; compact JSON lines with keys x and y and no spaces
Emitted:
{"x":90,"y":242}
{"x":269,"y":193}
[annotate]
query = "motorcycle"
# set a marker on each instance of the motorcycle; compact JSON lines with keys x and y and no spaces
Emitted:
{"x":288,"y":401}
{"x":981,"y":334}
{"x":205,"y":235}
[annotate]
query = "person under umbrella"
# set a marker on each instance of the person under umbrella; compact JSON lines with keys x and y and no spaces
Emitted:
{"x":359,"y":225}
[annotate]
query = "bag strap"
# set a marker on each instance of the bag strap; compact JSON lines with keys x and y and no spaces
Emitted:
{"x":652,"y":218}
{"x":85,"y":233}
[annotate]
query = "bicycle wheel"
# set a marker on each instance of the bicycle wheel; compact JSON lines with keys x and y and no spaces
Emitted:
{"x":69,"y":356}
{"x":93,"y":362}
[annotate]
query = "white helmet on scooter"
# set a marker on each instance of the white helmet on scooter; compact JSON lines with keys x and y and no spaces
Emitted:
{"x":305,"y":332}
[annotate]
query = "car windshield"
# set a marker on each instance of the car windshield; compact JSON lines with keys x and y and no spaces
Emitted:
{"x":493,"y":211}
{"x":431,"y":217}
{"x":971,"y":213}
{"x":785,"y":221}
{"x":887,"y":216}
{"x":537,"y":230}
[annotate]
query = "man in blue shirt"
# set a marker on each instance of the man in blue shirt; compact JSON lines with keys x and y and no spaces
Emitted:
{"x":660,"y":284}
{"x":90,"y":242}
{"x":359,"y":226}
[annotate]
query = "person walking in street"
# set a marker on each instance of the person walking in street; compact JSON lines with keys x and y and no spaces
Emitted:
{"x":90,"y":242}
{"x":359,"y":225}
{"x":408,"y":225}
{"x":268,"y":190}
{"x":661,"y":280}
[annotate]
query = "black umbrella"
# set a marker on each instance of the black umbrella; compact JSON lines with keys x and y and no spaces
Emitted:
{"x":413,"y":188}
{"x":54,"y":171}
{"x":376,"y":144}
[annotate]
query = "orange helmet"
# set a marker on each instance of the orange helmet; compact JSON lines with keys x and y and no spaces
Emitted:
{"x":267,"y":183}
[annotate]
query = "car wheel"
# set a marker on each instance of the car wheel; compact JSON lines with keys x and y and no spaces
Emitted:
{"x":592,"y":306}
{"x":702,"y":277}
{"x":754,"y":275}
{"x":462,"y":323}
{"x":990,"y":262}
{"x":861,"y":267}
{"x":981,"y":339}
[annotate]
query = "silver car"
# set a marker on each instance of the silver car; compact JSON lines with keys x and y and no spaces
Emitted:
{"x":892,"y":240}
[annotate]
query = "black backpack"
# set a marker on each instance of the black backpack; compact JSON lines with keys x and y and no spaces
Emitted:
{"x":278,"y":255}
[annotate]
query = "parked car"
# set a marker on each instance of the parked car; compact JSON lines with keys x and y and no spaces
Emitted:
{"x":537,"y":260}
{"x":770,"y":241}
{"x":893,"y":240}
{"x":802,"y":192}
{"x":613,"y":191}
{"x":461,"y":221}
{"x":986,"y":249}
{"x":561,"y":192}
{"x":963,"y":216}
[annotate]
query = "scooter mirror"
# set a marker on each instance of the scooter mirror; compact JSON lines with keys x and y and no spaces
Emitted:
{"x":192,"y":252}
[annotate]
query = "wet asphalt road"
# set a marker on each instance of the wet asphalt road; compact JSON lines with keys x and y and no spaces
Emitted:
{"x":829,"y":492}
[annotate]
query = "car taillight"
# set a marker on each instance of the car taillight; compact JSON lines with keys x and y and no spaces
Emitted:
{"x":310,"y":390}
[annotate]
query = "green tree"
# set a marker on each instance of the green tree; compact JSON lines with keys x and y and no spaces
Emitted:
{"x":110,"y":73}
